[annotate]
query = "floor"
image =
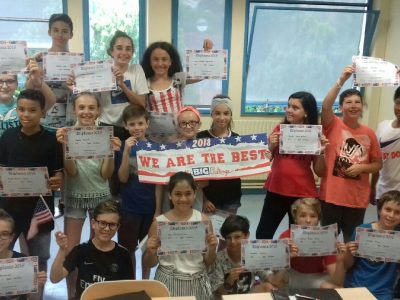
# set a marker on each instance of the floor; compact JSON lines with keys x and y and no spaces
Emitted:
{"x":251,"y":207}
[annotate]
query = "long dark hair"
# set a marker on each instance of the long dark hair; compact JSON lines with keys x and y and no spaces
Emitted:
{"x":179,"y":177}
{"x":176,"y":64}
{"x":309,"y":105}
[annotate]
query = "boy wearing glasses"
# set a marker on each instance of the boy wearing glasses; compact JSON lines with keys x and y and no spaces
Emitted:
{"x":7,"y":226}
{"x":100,"y":259}
{"x":8,"y":99}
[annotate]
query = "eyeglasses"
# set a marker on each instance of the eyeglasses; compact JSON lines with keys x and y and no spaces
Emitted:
{"x":104,"y":225}
{"x":7,"y":82}
{"x":5,"y":235}
{"x":190,"y":124}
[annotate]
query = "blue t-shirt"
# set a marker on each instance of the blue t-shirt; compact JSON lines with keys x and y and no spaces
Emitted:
{"x":8,"y":116}
{"x":378,"y":277}
{"x":137,"y":197}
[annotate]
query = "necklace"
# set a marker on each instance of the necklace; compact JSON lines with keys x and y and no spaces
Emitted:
{"x":210,"y":131}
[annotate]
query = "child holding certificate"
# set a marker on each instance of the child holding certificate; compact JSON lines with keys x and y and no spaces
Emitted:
{"x":221,"y":194}
{"x":377,"y":276}
{"x":312,"y":271}
{"x":353,"y":153}
{"x":183,"y":274}
{"x":138,"y":203}
{"x":8,"y":99}
{"x":227,"y":276}
{"x":98,"y":260}
{"x":291,"y":175}
{"x":131,"y":84}
{"x":7,"y":226}
{"x":86,"y":180}
{"x":28,"y":146}
{"x":188,"y":125}
{"x":60,"y":31}
{"x":163,"y":68}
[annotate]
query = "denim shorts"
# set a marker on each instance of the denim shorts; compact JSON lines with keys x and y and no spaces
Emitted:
{"x":77,"y":213}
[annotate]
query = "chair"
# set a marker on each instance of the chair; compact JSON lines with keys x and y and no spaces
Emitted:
{"x":153,"y":288}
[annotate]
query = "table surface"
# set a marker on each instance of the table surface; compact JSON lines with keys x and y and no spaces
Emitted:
{"x":346,"y":294}
{"x":175,"y":298}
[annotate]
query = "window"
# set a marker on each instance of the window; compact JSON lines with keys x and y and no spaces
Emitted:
{"x":25,"y":20}
{"x":293,"y":47}
{"x":102,"y":18}
{"x":194,"y":21}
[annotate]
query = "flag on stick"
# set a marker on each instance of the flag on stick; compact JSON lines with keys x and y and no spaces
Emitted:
{"x":41,"y":215}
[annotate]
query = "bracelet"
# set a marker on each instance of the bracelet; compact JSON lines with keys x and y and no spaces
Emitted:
{"x":338,"y":84}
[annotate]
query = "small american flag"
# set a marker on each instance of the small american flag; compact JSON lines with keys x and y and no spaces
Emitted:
{"x":41,"y":215}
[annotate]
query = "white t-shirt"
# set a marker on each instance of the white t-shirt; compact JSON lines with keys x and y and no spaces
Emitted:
{"x":389,"y":175}
{"x":113,"y":102}
{"x":185,"y":263}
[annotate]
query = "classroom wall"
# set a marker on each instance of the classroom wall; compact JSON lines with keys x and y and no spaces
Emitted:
{"x":386,"y":45}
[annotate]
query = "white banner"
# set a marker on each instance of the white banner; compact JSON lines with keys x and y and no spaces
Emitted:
{"x":375,"y":72}
{"x":208,"y":158}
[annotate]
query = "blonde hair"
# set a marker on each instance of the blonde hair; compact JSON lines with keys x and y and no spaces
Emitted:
{"x":310,"y":202}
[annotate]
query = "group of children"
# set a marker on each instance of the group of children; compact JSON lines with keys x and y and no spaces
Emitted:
{"x":350,"y":152}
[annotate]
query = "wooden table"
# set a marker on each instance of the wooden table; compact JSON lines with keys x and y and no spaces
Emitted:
{"x":175,"y":298}
{"x":346,"y":294}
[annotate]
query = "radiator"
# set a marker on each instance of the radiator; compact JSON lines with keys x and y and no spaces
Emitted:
{"x":249,"y":126}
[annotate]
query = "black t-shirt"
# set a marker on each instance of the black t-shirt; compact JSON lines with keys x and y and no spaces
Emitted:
{"x":95,"y":265}
{"x":38,"y":150}
{"x":224,"y":191}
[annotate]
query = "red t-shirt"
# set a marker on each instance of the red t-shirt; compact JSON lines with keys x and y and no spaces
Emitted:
{"x":309,"y":264}
{"x":348,"y":146}
{"x":291,"y":175}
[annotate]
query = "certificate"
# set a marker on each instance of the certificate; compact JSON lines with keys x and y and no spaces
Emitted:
{"x":300,"y":139}
{"x":182,"y":237}
{"x":314,"y":240}
{"x":373,"y":71}
{"x":24,"y":182}
{"x":217,"y":219}
{"x":88,"y":142}
{"x":18,"y":276}
{"x":378,"y":245}
{"x":265,"y":254}
{"x":12,"y":57}
{"x":94,"y":76}
{"x":202,"y":64}
{"x":57,"y":65}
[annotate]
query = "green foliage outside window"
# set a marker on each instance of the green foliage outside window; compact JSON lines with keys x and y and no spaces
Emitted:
{"x":106,"y":17}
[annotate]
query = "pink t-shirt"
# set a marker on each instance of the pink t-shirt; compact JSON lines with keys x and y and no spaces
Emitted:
{"x":291,"y":175}
{"x":309,"y":264}
{"x":348,"y":146}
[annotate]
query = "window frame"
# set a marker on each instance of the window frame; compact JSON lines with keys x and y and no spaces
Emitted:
{"x":142,"y":32}
{"x":64,"y":5}
{"x":226,"y":44}
{"x":368,"y":34}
